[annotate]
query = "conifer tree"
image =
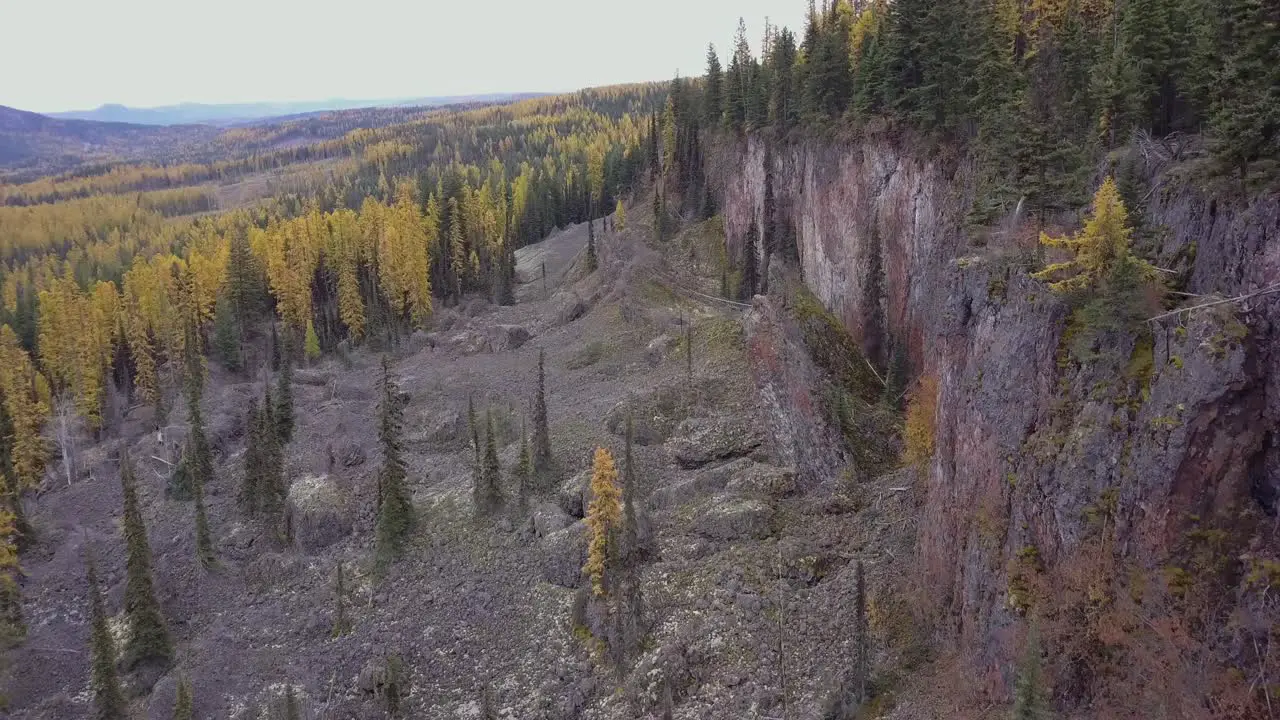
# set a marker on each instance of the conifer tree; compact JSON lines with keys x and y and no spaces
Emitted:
{"x":750,"y":266}
{"x":311,"y":344}
{"x":620,"y":221}
{"x":629,"y":538}
{"x":604,"y":515}
{"x":250,"y":496}
{"x":524,"y":470}
{"x":271,"y":487}
{"x":712,"y":101}
{"x":395,"y":511}
{"x":593,"y":262}
{"x":341,"y":624}
{"x":108,"y":701}
{"x":226,"y":336}
{"x":184,"y":704}
{"x":541,"y":428}
{"x":197,"y":458}
{"x":283,"y":410}
{"x":1030,"y":701}
{"x":862,"y":650}
{"x":10,"y":484}
{"x":488,"y":491}
{"x":148,"y":638}
{"x":473,"y":426}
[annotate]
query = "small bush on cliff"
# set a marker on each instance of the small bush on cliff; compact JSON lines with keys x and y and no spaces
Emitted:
{"x":1112,"y":290}
{"x":921,"y":424}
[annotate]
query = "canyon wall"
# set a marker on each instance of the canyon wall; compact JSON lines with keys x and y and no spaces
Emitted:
{"x":1045,"y":464}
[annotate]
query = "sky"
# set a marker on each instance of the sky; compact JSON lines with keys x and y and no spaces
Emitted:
{"x":78,"y":54}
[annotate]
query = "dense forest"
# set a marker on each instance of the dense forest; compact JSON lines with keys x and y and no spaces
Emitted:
{"x":1036,"y":90}
{"x":110,"y":274}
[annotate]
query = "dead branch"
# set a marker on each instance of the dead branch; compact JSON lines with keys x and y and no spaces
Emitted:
{"x":1270,"y":289}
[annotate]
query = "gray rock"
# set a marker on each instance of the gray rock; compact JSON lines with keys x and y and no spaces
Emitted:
{"x":351,"y":455}
{"x":548,"y":519}
{"x":575,"y":494}
{"x":728,"y":518}
{"x":477,"y":307}
{"x":503,"y":338}
{"x":569,"y":306}
{"x":706,"y":482}
{"x":765,"y":481}
{"x":700,"y":441}
{"x":564,"y":552}
{"x":318,"y":512}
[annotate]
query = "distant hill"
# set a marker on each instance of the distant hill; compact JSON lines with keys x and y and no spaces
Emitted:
{"x":230,"y":114}
{"x":31,"y":141}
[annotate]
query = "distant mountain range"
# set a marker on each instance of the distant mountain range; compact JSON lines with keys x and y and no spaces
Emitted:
{"x":231,"y":114}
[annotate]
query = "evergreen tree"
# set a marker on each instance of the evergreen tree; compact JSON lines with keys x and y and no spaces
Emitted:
{"x":1245,"y":114}
{"x":541,"y":428}
{"x":750,"y":267}
{"x":783,"y":109}
{"x":250,"y":497}
{"x":184,"y":704}
{"x":860,"y":632}
{"x":524,"y":470}
{"x":10,"y":485}
{"x":196,"y":467}
{"x":244,"y":283}
{"x":770,"y":238}
{"x":473,"y":425}
{"x":148,"y":638}
{"x":629,"y":537}
{"x":108,"y":701}
{"x":311,"y":343}
{"x":592,"y":261}
{"x":712,"y":94}
{"x":395,"y":511}
{"x":1030,"y":700}
{"x":226,"y":335}
{"x":271,"y":487}
{"x":488,"y":491}
{"x":621,"y":216}
{"x":283,"y":409}
{"x":738,"y":79}
{"x":341,"y":624}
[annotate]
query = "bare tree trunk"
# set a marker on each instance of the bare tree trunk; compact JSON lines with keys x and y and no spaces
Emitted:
{"x":66,"y":416}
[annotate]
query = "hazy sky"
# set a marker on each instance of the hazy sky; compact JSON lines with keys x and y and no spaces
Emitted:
{"x":78,"y":54}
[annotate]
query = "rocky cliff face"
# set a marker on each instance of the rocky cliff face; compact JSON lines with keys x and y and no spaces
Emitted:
{"x":1154,"y":462}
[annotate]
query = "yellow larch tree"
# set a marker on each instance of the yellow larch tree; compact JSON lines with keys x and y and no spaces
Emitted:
{"x":604,"y":516}
{"x":1100,"y":247}
{"x":27,"y":397}
{"x":344,"y":255}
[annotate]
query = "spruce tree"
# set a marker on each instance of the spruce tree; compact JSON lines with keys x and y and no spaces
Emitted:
{"x":283,"y":411}
{"x":148,"y":638}
{"x":184,"y":704}
{"x":341,"y":624}
{"x":1030,"y":699}
{"x":592,"y":260}
{"x":197,"y":458}
{"x":488,"y":491}
{"x":750,"y":266}
{"x":395,"y":511}
{"x":524,"y":471}
{"x":712,"y":101}
{"x":250,"y":497}
{"x":473,"y":426}
{"x":108,"y":701}
{"x":226,"y":335}
{"x":629,"y":538}
{"x":272,"y":489}
{"x":541,"y":428}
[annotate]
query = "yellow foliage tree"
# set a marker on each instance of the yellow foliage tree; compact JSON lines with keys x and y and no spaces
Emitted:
{"x":621,"y":215}
{"x":604,"y":516}
{"x":919,"y":432}
{"x":345,"y":253}
{"x":1099,"y":248}
{"x":26,"y":395}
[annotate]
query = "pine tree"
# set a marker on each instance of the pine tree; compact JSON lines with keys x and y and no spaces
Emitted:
{"x":488,"y":491}
{"x":783,"y":110}
{"x":108,"y":701}
{"x":712,"y":100}
{"x":1030,"y":701}
{"x":226,"y":336}
{"x":184,"y":704}
{"x":250,"y":497}
{"x":629,"y":537}
{"x":541,"y":428}
{"x":311,"y":344}
{"x":283,"y":410}
{"x":604,"y":515}
{"x":750,"y":267}
{"x":863,"y":649}
{"x":524,"y":471}
{"x":271,"y":487}
{"x":1245,"y":113}
{"x":593,"y":262}
{"x":395,"y":511}
{"x":341,"y":624}
{"x":148,"y":639}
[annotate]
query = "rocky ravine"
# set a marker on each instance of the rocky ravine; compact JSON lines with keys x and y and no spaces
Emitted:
{"x":1028,"y":451}
{"x":747,"y":586}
